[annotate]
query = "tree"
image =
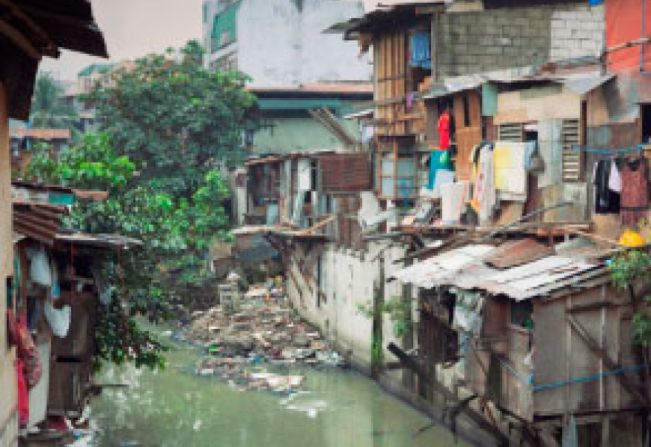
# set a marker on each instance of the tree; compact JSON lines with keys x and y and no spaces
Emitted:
{"x":48,"y":110}
{"x":175,"y":232}
{"x":631,"y":271}
{"x":174,"y":119}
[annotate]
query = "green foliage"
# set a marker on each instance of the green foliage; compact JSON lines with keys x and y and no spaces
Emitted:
{"x":398,"y":310}
{"x":627,"y":270}
{"x":167,"y":125}
{"x":174,"y":119}
{"x":175,"y":233}
{"x":48,"y":110}
{"x":119,"y":339}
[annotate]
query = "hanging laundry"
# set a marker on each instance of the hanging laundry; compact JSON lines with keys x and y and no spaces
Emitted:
{"x":439,"y":161}
{"x":420,"y":51}
{"x":510,"y":175}
{"x":27,"y":352}
{"x":606,"y":200}
{"x":453,"y":201}
{"x":23,"y":395}
{"x":615,"y":179}
{"x":635,"y":193}
{"x":409,"y":101}
{"x":484,"y":197}
{"x":444,"y":130}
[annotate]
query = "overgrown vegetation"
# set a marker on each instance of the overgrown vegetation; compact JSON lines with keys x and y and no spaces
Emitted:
{"x":398,"y":310}
{"x":169,"y":129}
{"x":631,"y":271}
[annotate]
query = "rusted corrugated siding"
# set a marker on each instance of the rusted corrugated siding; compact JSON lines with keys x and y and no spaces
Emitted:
{"x":40,"y":222}
{"x":346,"y":172}
{"x":518,"y":252}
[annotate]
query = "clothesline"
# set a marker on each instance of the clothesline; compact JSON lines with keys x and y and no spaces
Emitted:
{"x":591,"y":150}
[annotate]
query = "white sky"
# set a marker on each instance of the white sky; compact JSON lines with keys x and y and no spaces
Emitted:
{"x":134,"y":28}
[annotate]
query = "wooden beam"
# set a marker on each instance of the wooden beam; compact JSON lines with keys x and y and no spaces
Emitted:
{"x":319,"y":225}
{"x":603,"y":355}
{"x":21,"y":41}
{"x":49,"y":48}
{"x":475,"y":416}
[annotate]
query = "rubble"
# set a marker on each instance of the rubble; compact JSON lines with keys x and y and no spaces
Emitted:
{"x":260,"y":330}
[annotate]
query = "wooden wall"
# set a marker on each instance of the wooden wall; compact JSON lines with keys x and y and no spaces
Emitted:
{"x":467,"y":119}
{"x":7,"y":355}
{"x":563,"y":354}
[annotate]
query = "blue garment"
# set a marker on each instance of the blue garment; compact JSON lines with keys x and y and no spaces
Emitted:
{"x":435,"y":164}
{"x":595,"y":2}
{"x":420,"y":54}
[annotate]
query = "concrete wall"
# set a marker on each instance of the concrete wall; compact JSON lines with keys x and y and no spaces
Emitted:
{"x":349,"y":279}
{"x":472,"y":42}
{"x":280,"y":42}
{"x":295,"y":134}
{"x":8,"y":420}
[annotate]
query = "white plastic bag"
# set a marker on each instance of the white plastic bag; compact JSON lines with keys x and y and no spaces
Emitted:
{"x":39,"y":268}
{"x":58,"y":319}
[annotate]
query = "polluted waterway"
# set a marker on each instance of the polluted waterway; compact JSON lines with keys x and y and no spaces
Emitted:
{"x":176,"y":407}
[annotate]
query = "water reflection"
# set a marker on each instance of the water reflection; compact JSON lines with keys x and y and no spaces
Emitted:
{"x":175,"y":408}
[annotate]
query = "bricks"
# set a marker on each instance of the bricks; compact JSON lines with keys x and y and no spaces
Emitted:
{"x":491,"y":40}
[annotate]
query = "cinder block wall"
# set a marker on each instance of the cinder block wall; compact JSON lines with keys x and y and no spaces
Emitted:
{"x":472,"y":42}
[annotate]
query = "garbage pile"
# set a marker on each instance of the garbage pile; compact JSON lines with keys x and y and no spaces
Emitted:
{"x":247,"y":332}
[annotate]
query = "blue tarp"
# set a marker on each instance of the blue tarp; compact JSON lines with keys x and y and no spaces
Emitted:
{"x":420,"y":54}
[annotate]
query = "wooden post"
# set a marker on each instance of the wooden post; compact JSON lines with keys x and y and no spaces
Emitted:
{"x":475,"y":416}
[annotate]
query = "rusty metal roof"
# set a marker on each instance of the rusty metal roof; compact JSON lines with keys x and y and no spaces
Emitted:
{"x":518,"y":252}
{"x":40,"y":134}
{"x":38,"y":221}
{"x":467,"y":268}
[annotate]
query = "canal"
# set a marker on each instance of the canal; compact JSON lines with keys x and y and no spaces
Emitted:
{"x":174,"y":407}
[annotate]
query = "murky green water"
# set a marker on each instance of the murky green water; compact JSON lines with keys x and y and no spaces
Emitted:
{"x":175,"y":408}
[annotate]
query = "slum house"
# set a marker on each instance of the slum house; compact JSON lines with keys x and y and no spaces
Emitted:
{"x":54,"y":296}
{"x":541,"y":334}
{"x":536,"y":162}
{"x":515,"y":106}
{"x":23,"y":140}
{"x":307,"y":207}
{"x":305,"y":118}
{"x":421,"y":47}
{"x":30,"y":30}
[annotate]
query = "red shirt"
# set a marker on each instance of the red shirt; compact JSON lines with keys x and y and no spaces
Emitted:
{"x":444,"y":131}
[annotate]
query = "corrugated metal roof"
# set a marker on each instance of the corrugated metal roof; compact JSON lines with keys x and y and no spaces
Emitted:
{"x":466,"y":268}
{"x":40,"y":134}
{"x":579,"y":83}
{"x":38,"y":221}
{"x":355,"y":88}
{"x":518,"y":252}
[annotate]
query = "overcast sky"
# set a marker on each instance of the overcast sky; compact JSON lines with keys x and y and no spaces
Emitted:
{"x":133,"y":28}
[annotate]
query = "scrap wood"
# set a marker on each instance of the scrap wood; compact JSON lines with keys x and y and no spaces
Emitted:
{"x":592,"y":236}
{"x":593,"y":345}
{"x":452,"y":398}
{"x":319,"y":225}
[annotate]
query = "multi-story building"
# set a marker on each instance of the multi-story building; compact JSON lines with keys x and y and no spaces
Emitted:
{"x":280,"y":43}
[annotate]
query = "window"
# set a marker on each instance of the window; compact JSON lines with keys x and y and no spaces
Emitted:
{"x":572,"y":161}
{"x":466,"y":111}
{"x":645,"y":117}
{"x":522,"y":314}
